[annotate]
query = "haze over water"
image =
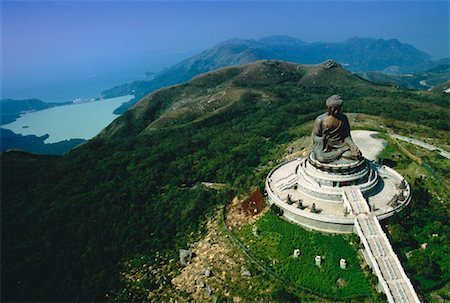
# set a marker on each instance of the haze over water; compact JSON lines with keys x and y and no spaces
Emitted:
{"x":62,"y":50}
{"x":75,"y":121}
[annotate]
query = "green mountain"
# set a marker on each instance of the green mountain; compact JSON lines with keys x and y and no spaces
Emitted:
{"x":356,"y":54}
{"x":134,"y":194}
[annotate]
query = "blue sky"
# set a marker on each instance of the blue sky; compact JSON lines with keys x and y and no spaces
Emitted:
{"x":59,"y":40}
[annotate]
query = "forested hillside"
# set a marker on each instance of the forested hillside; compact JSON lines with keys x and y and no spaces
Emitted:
{"x":69,"y":222}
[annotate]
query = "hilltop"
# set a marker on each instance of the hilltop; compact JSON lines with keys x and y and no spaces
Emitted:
{"x":212,"y":93}
{"x":134,"y":195}
{"x":356,"y":54}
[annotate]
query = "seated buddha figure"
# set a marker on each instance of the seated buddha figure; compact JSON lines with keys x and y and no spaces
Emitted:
{"x":331,"y":135}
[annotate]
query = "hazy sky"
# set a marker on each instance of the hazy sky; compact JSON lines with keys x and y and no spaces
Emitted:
{"x":56,"y":40}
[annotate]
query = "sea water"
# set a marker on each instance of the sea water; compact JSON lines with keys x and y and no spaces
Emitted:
{"x":74,"y":121}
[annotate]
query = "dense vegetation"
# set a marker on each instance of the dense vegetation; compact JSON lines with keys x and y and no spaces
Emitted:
{"x":134,"y":190}
{"x":275,"y":244}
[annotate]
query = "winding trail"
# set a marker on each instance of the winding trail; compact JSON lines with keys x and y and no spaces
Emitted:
{"x":422,"y":144}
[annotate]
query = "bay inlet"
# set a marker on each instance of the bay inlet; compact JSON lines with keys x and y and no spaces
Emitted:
{"x":73,"y":121}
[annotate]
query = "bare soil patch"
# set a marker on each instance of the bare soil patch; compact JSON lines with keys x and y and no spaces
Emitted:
{"x":243,"y":212}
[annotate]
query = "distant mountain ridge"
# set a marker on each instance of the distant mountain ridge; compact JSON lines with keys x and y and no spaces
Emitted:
{"x":356,"y":54}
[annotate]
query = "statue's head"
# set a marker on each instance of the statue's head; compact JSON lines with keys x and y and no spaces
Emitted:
{"x":334,"y":105}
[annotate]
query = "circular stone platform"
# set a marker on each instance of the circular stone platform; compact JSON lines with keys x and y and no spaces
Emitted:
{"x":311,"y":193}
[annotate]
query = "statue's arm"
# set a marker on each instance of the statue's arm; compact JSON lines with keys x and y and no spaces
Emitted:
{"x":350,"y":143}
{"x":348,"y":138}
{"x":317,"y":131}
{"x":346,"y":131}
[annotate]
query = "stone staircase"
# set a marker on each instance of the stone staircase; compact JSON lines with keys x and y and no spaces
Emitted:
{"x":391,"y":275}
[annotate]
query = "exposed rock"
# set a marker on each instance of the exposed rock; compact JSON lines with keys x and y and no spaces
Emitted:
{"x":296,"y":253}
{"x":245,"y":272}
{"x":330,"y":64}
{"x":341,"y":283}
{"x":207,"y":273}
{"x":224,"y":261}
{"x":201,"y":284}
{"x":185,"y":256}
{"x":208,"y":290}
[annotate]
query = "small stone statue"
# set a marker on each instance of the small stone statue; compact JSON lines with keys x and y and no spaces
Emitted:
{"x":318,"y":261}
{"x":300,"y":204}
{"x":315,"y":210}
{"x":403,"y":184}
{"x":331,"y":135}
{"x":343,"y":263}
{"x":289,"y":200}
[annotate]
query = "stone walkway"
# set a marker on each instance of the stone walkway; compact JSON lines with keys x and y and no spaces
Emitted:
{"x":384,"y":261}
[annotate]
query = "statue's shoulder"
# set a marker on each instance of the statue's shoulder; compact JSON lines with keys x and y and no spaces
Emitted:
{"x":321,"y":117}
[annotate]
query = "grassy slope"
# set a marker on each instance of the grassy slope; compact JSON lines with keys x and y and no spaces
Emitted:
{"x":277,"y":241}
{"x":131,"y":191}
